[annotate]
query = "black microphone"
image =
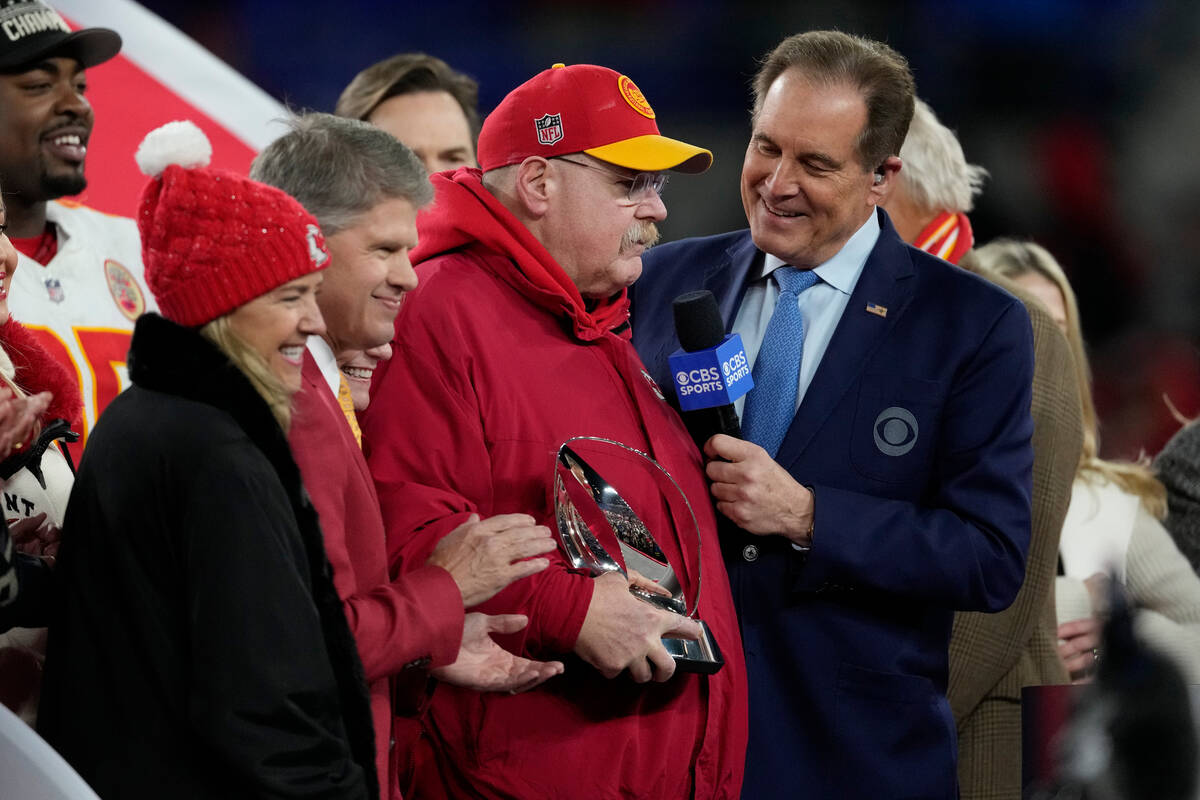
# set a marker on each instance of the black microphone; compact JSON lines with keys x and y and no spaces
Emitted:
{"x":710,"y":371}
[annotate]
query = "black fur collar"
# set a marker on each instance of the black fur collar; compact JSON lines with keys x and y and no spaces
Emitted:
{"x":167,"y":357}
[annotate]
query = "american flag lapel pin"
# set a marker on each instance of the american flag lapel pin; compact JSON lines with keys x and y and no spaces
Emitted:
{"x":876,"y":309}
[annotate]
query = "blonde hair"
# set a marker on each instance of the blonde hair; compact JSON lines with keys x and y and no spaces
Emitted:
{"x":276,"y":395}
{"x":1012,"y":258}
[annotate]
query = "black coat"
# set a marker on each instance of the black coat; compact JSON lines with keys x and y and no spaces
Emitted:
{"x":198,"y":647}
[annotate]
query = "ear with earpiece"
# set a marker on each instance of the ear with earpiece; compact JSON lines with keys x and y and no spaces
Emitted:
{"x":878,"y":178}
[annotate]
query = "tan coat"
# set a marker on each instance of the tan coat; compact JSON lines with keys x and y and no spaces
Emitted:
{"x":992,"y":656}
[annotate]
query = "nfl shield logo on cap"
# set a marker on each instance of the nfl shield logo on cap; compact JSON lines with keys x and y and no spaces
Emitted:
{"x":549,"y":128}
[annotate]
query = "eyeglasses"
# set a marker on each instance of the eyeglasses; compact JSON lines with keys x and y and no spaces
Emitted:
{"x":641,"y":187}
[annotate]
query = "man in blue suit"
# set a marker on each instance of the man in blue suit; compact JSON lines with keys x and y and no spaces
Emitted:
{"x":884,"y":482}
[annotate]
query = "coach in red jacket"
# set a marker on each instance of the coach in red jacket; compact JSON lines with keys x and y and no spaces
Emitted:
{"x":365,"y":188}
{"x":516,"y":340}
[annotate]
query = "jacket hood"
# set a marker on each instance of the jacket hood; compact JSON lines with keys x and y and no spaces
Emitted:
{"x":466,"y":214}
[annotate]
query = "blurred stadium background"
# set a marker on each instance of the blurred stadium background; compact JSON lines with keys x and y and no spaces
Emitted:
{"x":1086,"y":113}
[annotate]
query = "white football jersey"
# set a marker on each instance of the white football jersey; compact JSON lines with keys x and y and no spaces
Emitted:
{"x":82,"y":305}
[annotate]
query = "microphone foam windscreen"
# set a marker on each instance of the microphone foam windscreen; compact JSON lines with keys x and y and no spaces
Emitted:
{"x":698,"y":320}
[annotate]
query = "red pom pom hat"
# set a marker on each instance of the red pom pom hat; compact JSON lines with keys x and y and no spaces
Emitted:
{"x":213,"y":240}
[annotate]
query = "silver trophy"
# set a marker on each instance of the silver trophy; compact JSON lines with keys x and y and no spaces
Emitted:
{"x":586,"y":507}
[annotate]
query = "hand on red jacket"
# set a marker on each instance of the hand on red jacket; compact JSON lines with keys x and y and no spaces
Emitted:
{"x":622,"y":632}
{"x":755,"y":492}
{"x":485,"y":666}
{"x":485,"y":556}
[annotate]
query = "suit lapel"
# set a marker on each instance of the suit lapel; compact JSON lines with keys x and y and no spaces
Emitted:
{"x":728,"y":281}
{"x":317,"y":384}
{"x":885,"y":282}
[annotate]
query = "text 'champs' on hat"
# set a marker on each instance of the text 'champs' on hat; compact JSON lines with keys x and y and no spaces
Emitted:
{"x":31,"y":31}
{"x":583,"y":108}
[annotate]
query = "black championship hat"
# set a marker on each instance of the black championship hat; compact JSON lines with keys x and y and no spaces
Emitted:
{"x":31,"y":31}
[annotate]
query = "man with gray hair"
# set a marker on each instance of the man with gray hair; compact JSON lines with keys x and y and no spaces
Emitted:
{"x":935,"y":190}
{"x":365,"y":189}
{"x":884,"y":475}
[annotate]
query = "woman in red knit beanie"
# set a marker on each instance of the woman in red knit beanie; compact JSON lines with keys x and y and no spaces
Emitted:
{"x":199,"y":648}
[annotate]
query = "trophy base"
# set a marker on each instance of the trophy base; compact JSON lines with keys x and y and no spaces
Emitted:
{"x":701,"y":655}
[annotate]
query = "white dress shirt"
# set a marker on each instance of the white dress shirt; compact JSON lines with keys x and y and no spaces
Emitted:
{"x":322,"y":353}
{"x":821,"y":306}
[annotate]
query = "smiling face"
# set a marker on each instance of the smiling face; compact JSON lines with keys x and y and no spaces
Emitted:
{"x":433,"y":126}
{"x":368,"y":274}
{"x":804,"y":188}
{"x":276,"y":325}
{"x":45,"y":122}
{"x":359,"y":368}
{"x":595,"y":233}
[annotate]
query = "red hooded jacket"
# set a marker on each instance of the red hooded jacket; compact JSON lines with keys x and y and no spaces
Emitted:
{"x":498,"y":361}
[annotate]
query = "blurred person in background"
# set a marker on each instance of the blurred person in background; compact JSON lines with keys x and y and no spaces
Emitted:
{"x":1178,"y":467}
{"x":80,"y":286}
{"x":994,"y":656}
{"x":36,"y":476}
{"x":423,"y":102}
{"x":365,"y":188}
{"x":198,"y":645}
{"x":1113,"y":526}
{"x":935,"y":189}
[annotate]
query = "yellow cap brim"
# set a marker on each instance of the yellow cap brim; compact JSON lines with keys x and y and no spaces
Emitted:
{"x":652,"y":153}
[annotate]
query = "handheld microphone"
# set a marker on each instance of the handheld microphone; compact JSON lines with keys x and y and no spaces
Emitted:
{"x":710,"y":371}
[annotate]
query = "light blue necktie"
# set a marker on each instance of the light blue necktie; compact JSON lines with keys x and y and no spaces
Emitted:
{"x":771,"y":404}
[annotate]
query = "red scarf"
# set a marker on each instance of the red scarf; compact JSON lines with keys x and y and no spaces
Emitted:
{"x":948,"y":236}
{"x":467,"y":214}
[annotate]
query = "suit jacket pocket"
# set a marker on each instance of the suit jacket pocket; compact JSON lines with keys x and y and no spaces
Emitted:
{"x":895,"y":737}
{"x":895,"y":425}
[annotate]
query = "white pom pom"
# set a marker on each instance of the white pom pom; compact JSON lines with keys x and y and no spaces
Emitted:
{"x":181,"y":143}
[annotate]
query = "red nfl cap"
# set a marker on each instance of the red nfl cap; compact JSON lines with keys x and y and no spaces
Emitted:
{"x":583,"y":108}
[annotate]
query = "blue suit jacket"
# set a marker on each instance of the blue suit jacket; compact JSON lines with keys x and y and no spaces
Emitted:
{"x":915,"y":437}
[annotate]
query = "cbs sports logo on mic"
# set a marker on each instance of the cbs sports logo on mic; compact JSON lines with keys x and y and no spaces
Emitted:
{"x":714,"y":377}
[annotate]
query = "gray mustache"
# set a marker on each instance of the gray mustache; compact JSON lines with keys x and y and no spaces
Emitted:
{"x":642,"y":232}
